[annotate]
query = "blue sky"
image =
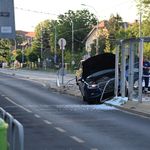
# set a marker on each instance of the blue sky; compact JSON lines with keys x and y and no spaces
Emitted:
{"x":24,"y":20}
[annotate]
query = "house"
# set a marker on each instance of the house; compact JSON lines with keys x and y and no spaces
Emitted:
{"x":102,"y":27}
{"x":29,"y":36}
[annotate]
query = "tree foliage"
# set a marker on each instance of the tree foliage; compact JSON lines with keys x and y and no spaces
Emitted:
{"x":83,"y":21}
{"x":32,"y":57}
{"x":19,"y":58}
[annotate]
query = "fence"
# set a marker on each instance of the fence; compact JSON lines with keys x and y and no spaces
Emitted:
{"x":13,"y":124}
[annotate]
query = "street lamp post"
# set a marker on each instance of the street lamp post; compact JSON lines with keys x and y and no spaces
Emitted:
{"x":15,"y":51}
{"x":41,"y":43}
{"x":72,"y":38}
{"x":140,"y":34}
{"x":55,"y":37}
{"x":31,"y":44}
{"x":97,"y":27}
{"x":22,"y":51}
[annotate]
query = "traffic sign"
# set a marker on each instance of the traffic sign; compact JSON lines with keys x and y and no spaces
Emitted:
{"x":62,"y":71}
{"x":73,"y":62}
{"x":63,"y":42}
{"x":12,"y":58}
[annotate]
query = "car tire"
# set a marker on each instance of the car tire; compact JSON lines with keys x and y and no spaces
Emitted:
{"x":90,"y":101}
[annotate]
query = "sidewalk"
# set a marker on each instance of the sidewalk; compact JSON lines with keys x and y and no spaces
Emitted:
{"x":49,"y":79}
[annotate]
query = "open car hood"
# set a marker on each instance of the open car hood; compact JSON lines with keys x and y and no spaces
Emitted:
{"x":98,"y":63}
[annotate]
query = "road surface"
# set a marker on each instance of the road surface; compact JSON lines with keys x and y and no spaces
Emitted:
{"x":54,"y":121}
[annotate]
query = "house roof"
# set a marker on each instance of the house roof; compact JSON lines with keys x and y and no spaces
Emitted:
{"x":101,"y":25}
{"x":26,"y":33}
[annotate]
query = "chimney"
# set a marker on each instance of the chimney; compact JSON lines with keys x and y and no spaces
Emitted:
{"x":135,"y":21}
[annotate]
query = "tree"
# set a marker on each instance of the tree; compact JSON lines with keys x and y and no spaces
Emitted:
{"x":114,"y":25}
{"x":107,"y":48}
{"x":83,"y":22}
{"x":145,"y":8}
{"x":32,"y":57}
{"x":36,"y":44}
{"x":19,"y":58}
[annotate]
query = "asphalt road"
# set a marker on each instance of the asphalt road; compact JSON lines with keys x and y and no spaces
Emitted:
{"x":55,"y":121}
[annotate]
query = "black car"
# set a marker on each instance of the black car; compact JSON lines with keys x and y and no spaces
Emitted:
{"x":0,"y":65}
{"x":97,"y":81}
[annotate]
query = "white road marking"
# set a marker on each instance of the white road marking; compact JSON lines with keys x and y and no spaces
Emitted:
{"x":37,"y":116}
{"x":3,"y":95}
{"x":18,"y":105}
{"x":59,"y":129}
{"x":77,"y":139}
{"x":47,"y":122}
{"x":94,"y":149}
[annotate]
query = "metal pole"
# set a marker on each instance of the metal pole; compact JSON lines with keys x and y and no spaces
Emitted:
{"x":140,"y":71}
{"x":131,"y":71}
{"x":22,"y":51}
{"x":55,"y":38}
{"x":62,"y":60}
{"x":31,"y":44}
{"x":41,"y":43}
{"x":116,"y":70}
{"x":55,"y":43}
{"x":15,"y":51}
{"x":123,"y":71}
{"x":72,"y":41}
{"x":97,"y":27}
{"x":140,"y":34}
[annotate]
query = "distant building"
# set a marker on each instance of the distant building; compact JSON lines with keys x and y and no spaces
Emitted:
{"x":92,"y":35}
{"x":29,"y":38}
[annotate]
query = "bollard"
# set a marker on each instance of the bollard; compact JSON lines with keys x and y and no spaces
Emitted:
{"x":3,"y":135}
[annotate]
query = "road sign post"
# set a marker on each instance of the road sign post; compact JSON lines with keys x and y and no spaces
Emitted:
{"x":62,"y":43}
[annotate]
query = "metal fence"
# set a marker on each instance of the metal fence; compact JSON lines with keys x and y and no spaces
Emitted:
{"x":13,"y":125}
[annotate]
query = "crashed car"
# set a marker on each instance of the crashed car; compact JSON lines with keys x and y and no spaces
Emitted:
{"x":97,"y":80}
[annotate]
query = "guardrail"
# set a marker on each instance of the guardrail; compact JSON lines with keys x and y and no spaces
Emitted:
{"x":104,"y":89}
{"x":57,"y":80}
{"x":13,"y":124}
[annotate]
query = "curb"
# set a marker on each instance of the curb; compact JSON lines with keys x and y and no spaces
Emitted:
{"x":134,"y":111}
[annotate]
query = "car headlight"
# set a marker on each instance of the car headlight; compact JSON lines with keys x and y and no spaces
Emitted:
{"x":92,"y":85}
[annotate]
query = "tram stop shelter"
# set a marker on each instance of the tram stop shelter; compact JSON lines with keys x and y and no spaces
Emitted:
{"x":130,"y":72}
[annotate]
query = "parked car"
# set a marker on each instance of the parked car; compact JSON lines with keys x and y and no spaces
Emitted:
{"x":98,"y":71}
{"x":0,"y":65}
